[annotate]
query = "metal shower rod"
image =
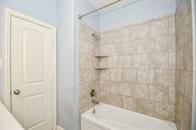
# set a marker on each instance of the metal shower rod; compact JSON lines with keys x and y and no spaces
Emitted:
{"x":91,"y":12}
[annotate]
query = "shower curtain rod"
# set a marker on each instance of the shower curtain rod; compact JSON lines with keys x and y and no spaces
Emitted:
{"x":91,"y":12}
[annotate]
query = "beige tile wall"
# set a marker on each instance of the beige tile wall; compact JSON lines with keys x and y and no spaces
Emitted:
{"x":142,"y":69}
{"x":184,"y":65}
{"x":87,"y":74}
{"x":141,"y":74}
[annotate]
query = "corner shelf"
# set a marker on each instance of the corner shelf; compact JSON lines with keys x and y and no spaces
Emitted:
{"x":101,"y":56}
{"x":101,"y":68}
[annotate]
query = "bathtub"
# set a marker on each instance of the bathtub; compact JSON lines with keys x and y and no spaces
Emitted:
{"x":107,"y":117}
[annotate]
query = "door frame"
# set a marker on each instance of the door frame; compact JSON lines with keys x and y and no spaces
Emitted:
{"x":8,"y":13}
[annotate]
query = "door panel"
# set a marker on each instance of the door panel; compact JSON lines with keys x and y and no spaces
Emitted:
{"x":31,"y":104}
{"x":33,"y":41}
{"x":31,"y":74}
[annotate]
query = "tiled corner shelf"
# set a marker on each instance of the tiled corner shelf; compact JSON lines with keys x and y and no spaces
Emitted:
{"x":101,"y":68}
{"x":101,"y":56}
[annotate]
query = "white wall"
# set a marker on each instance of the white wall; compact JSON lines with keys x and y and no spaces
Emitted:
{"x":64,"y":15}
{"x":65,"y":62}
{"x":141,"y":11}
{"x":68,"y":60}
{"x":82,"y":7}
{"x":45,"y":10}
{"x":177,"y":2}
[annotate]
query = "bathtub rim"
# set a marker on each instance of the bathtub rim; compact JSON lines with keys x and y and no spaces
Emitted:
{"x":86,"y":117}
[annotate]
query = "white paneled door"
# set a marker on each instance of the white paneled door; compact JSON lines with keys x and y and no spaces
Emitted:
{"x":32,"y":73}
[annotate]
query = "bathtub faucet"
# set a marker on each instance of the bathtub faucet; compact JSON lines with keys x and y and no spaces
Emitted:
{"x":95,"y":101}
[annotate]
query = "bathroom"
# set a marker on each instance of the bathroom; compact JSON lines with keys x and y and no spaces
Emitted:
{"x":109,"y":65}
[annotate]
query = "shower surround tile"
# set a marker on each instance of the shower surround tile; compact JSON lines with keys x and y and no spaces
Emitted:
{"x":159,"y":27}
{"x":145,"y":76}
{"x":129,"y":75}
{"x":140,"y":61}
{"x":129,"y":47}
{"x":165,"y":111}
{"x":172,"y":60}
{"x":165,"y":43}
{"x":146,"y":107}
{"x":184,"y":60}
{"x":140,"y":91}
{"x":139,"y":31}
{"x":89,"y":77}
{"x":145,"y":46}
{"x":125,"y":61}
{"x":165,"y":77}
{"x":129,"y":103}
{"x":116,"y":74}
{"x":142,"y":66}
{"x":158,"y":93}
{"x":159,"y":60}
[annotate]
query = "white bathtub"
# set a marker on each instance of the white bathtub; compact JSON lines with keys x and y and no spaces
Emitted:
{"x":108,"y":117}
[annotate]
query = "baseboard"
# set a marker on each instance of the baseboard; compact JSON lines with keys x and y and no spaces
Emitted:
{"x":59,"y":128}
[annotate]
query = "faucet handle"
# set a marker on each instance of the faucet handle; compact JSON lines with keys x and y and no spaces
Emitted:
{"x":93,"y":93}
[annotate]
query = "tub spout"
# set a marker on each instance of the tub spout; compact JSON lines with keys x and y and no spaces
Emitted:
{"x":95,"y":101}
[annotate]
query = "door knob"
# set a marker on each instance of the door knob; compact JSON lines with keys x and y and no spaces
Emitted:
{"x":17,"y":92}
